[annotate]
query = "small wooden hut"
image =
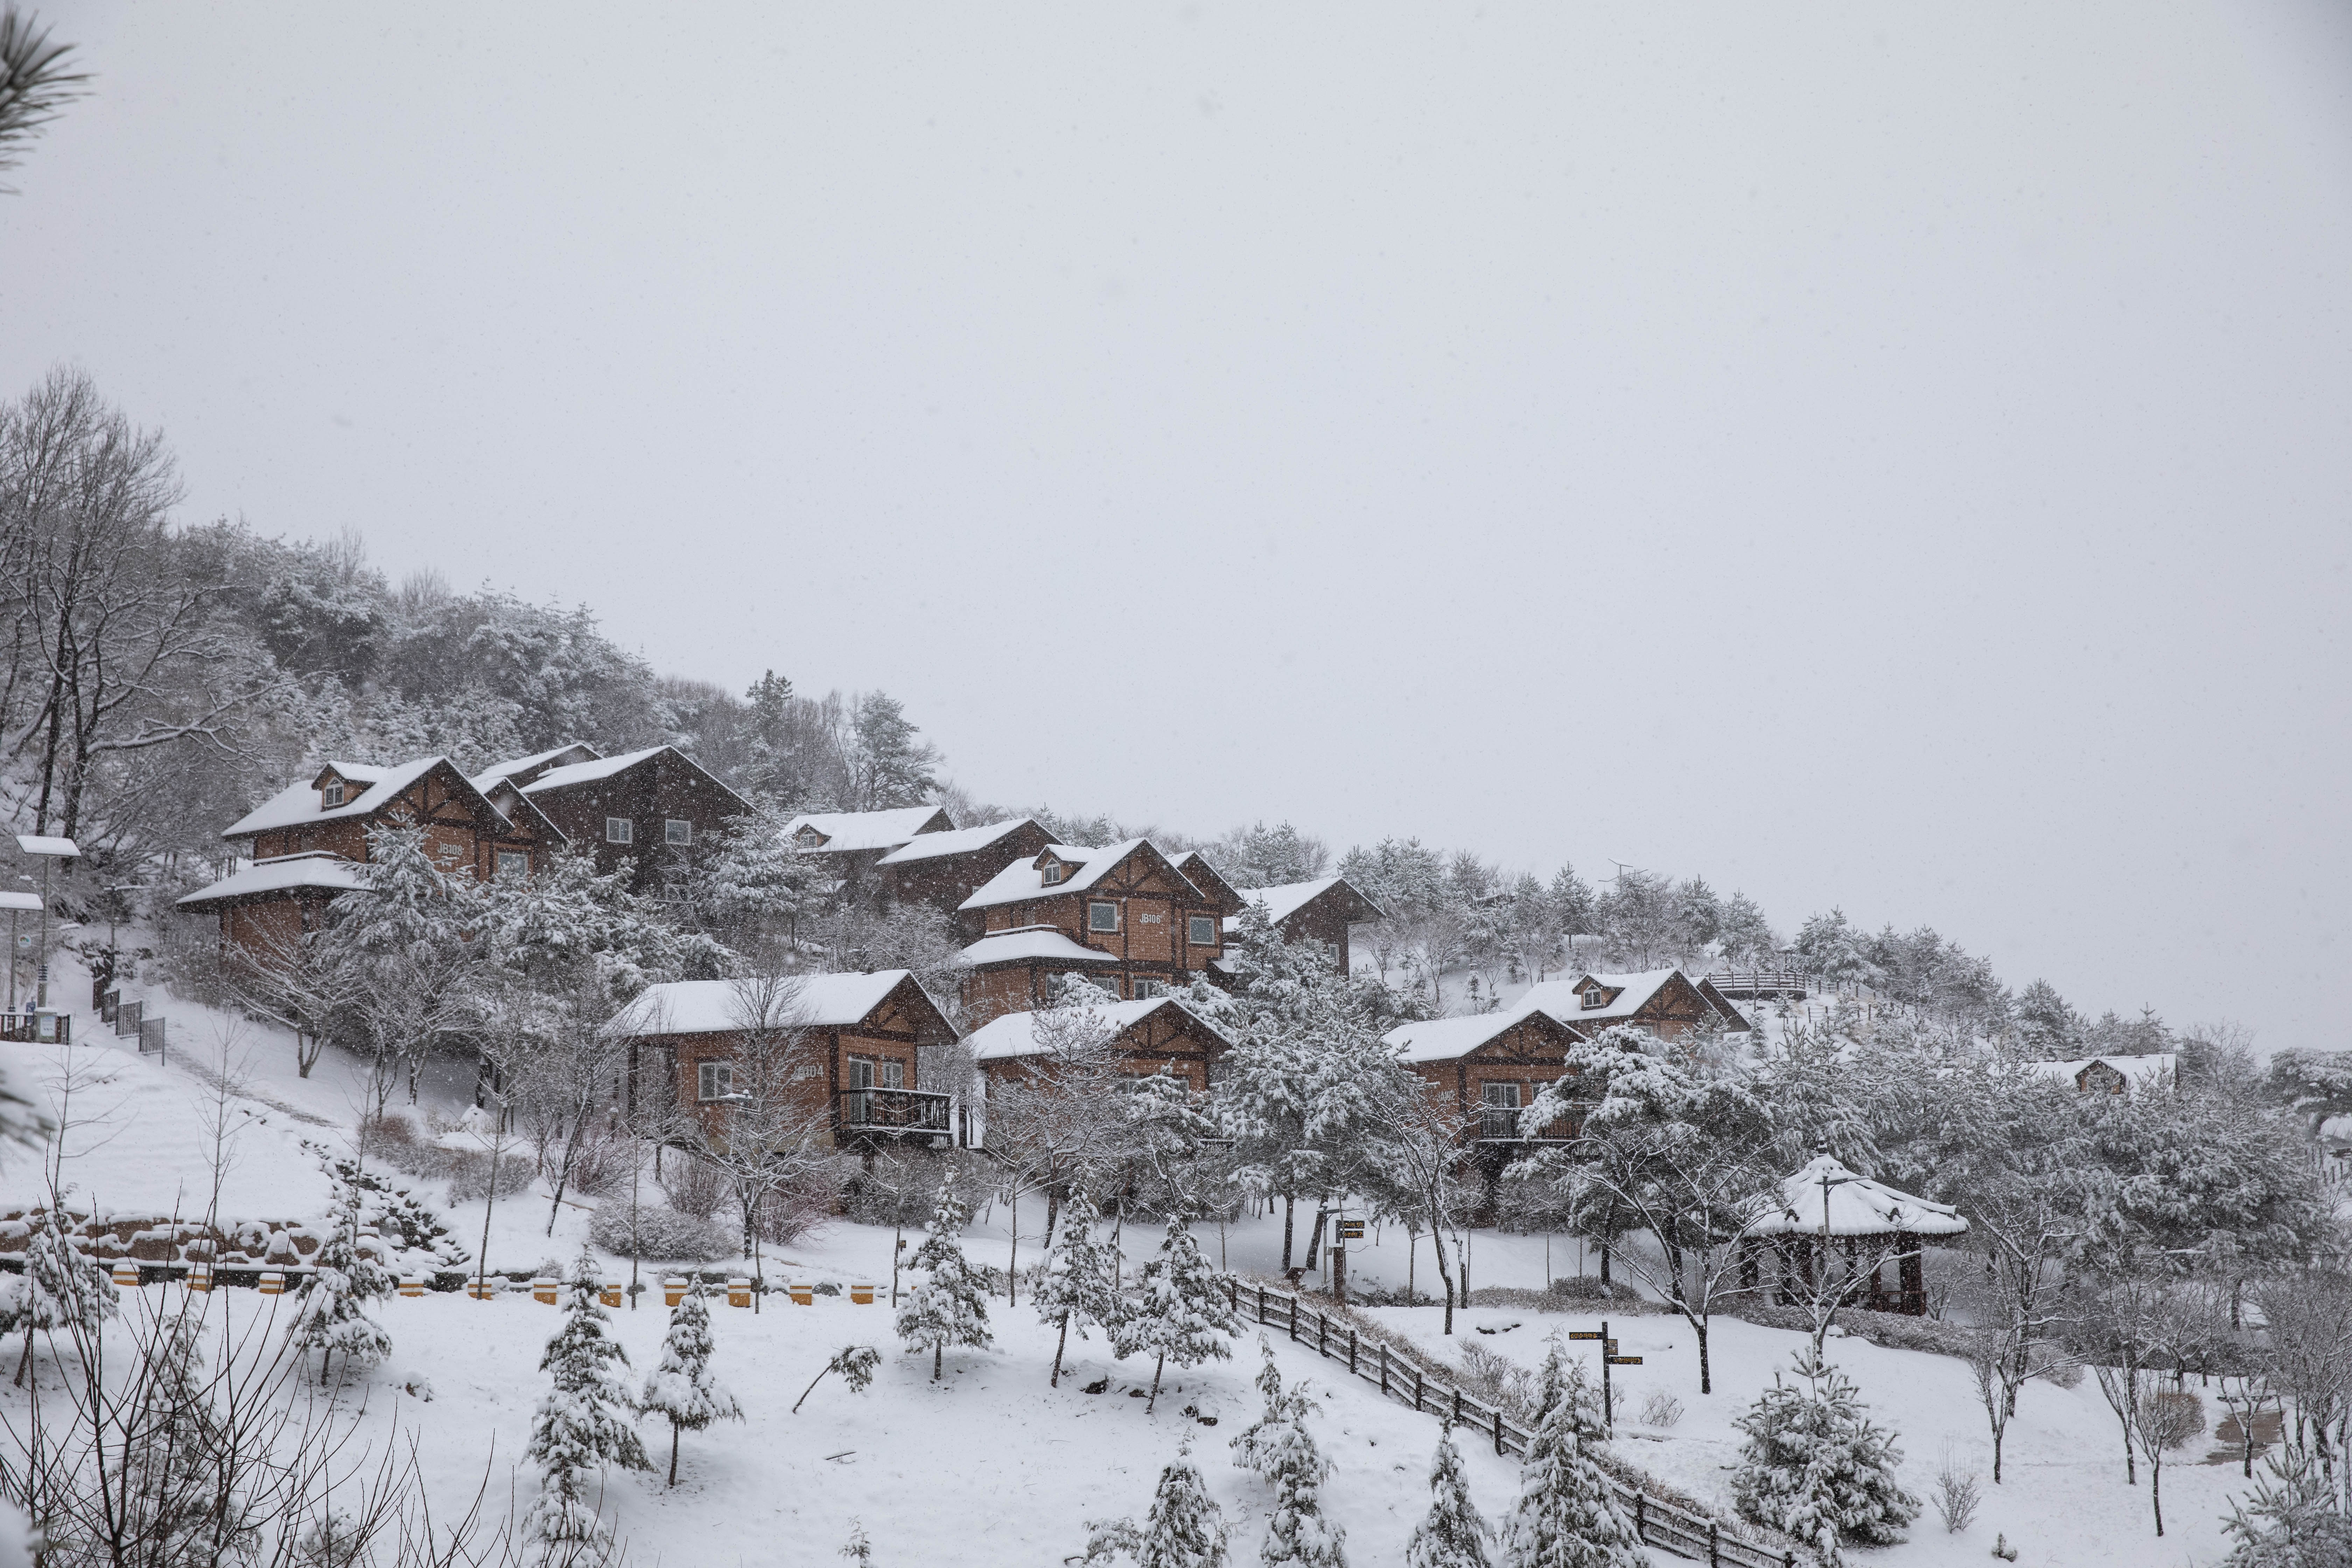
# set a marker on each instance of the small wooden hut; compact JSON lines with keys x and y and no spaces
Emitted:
{"x":1825,"y":1209}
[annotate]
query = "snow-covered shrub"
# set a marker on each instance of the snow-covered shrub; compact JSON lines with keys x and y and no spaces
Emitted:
{"x":1497,"y":1381}
{"x":694,"y":1186}
{"x":1815,"y":1467}
{"x":1453,"y":1533}
{"x":1184,"y":1529}
{"x":1660,"y":1409}
{"x":600,"y":1164}
{"x":2291,"y":1519}
{"x":1588,"y":1287}
{"x":799,"y":1207}
{"x":469,"y":1175}
{"x":663,"y":1235}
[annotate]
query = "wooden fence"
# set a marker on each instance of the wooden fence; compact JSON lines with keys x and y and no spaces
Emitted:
{"x":1404,"y":1379}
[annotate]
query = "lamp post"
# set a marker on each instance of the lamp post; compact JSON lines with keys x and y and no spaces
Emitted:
{"x":50,"y":850}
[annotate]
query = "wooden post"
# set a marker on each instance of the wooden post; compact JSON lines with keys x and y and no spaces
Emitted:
{"x":1416,"y":1389}
{"x":1322,"y":1335}
{"x":1384,"y":1370}
{"x":1498,"y":1431}
{"x":1261,"y":1304}
{"x":1457,"y":1407}
{"x":1640,"y":1513}
{"x":1714,"y":1546}
{"x":1351,"y":1353}
{"x":1293,"y":1320}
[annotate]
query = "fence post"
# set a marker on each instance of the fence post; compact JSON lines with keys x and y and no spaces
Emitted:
{"x":1713,"y":1547}
{"x":1351,"y":1353}
{"x":1384,"y":1370}
{"x":1293,"y":1320}
{"x":1640,"y":1513}
{"x":1416,"y":1389}
{"x":1322,"y":1335}
{"x":1261,"y":1305}
{"x":1498,"y":1431}
{"x":1234,"y":1295}
{"x":1457,"y":1406}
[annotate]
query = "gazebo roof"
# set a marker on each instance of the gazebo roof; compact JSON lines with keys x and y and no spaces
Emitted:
{"x":1856,"y":1204}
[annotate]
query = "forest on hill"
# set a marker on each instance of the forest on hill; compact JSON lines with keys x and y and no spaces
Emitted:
{"x":164,"y":676}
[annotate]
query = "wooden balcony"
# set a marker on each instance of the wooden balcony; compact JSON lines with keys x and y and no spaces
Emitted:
{"x":892,"y":1113}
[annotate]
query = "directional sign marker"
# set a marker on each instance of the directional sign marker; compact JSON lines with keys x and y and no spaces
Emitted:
{"x":1624,"y":1360}
{"x":1611,"y":1348}
{"x":1584,"y":1333}
{"x":1351,"y":1230}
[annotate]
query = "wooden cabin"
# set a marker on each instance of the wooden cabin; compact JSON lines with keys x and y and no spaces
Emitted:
{"x":1125,"y":919}
{"x":1489,"y":1066}
{"x":309,"y":845}
{"x":944,"y":868}
{"x":1157,"y":1033}
{"x":641,"y":812}
{"x":1666,"y":1002}
{"x":850,"y":845}
{"x":1321,"y":910}
{"x":2155,"y":1070}
{"x":839,"y":1050}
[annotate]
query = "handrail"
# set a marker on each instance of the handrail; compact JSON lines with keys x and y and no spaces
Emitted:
{"x":1403,"y":1378}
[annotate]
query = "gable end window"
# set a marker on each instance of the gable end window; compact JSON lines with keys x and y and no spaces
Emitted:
{"x":514,"y":863}
{"x":714,"y":1080}
{"x":619,"y":830}
{"x":678,"y":831}
{"x":1102,"y":915}
{"x":332,"y":795}
{"x":1200,"y":930}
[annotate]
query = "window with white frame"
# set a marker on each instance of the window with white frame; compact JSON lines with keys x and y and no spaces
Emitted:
{"x":1595,"y":999}
{"x":620,"y":830}
{"x":1108,"y":983}
{"x":332,"y":795}
{"x":514,"y":863}
{"x":714,"y":1080}
{"x":1144,"y":988}
{"x":1102,"y":915}
{"x":677,"y":830}
{"x":1200,"y":930}
{"x":1052,"y":872}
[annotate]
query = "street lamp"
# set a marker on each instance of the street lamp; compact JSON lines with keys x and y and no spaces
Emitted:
{"x":51,"y":850}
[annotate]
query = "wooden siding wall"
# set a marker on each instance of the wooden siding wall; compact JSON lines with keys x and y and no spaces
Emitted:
{"x":650,"y":793}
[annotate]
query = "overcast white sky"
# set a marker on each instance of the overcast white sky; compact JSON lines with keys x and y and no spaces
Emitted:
{"x":1892,"y":457}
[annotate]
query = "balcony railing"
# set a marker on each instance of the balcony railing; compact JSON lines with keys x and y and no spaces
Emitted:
{"x":893,"y":1110}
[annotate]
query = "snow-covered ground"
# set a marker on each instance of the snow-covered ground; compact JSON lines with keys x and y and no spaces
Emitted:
{"x":990,"y":1466}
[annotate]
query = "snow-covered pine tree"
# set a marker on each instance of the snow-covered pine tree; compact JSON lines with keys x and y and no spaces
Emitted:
{"x":331,"y":1313}
{"x":581,"y":1424}
{"x":950,"y":1305}
{"x":60,"y":1288}
{"x":1565,"y":1516}
{"x":2291,"y":1518}
{"x":1454,"y":1534}
{"x":1180,"y":1314}
{"x":1073,"y":1286}
{"x":681,"y":1387}
{"x":1278,"y":1446}
{"x":1184,"y":1529}
{"x":1815,"y":1467}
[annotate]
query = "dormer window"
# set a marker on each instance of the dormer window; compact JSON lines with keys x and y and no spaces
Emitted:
{"x":331,"y":795}
{"x":1595,"y":998}
{"x":1054,"y":871}
{"x":810,"y":838}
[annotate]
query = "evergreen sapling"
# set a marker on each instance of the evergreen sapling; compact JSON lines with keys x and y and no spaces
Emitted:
{"x":948,"y":1306}
{"x":1565,"y":1516}
{"x":59,"y":1288}
{"x":1073,"y":1286}
{"x":332,"y":1310}
{"x":1278,"y":1446}
{"x":1815,"y":1467}
{"x":681,"y":1387}
{"x":581,"y":1424}
{"x":1180,"y":1314}
{"x":1184,"y":1528}
{"x":1454,"y":1534}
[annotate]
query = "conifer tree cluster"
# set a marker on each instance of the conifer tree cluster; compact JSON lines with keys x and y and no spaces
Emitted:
{"x":1184,"y":1529}
{"x":1278,"y":1446}
{"x":1817,"y":1468}
{"x":681,"y":1387}
{"x":582,"y":1423}
{"x":1076,"y":1285}
{"x":60,"y":1288}
{"x":949,"y":1305}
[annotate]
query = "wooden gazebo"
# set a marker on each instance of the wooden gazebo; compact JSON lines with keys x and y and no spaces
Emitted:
{"x":1826,"y":1208}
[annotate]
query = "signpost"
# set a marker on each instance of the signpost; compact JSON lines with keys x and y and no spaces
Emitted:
{"x":1609,"y":1358}
{"x":1351,"y":1230}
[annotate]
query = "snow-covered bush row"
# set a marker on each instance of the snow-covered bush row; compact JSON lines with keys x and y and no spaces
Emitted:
{"x":660,"y":1234}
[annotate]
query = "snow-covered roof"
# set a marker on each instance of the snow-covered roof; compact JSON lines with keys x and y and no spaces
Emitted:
{"x":588,"y":773}
{"x":846,"y":830}
{"x":721,"y":1006}
{"x":282,"y":874}
{"x":1015,"y":1034}
{"x":1446,"y":1039}
{"x":299,"y":804}
{"x":962,"y":841}
{"x":1287,"y":899}
{"x":2154,"y":1070}
{"x":1023,"y":880}
{"x":496,"y":771}
{"x":1564,"y":999}
{"x":1856,"y":1206}
{"x":1030,"y":942}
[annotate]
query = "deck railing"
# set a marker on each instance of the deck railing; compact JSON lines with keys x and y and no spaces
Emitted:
{"x":892,"y":1110}
{"x":1406,"y":1380}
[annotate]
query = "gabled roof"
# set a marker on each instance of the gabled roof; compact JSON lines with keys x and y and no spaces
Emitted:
{"x":847,"y":830}
{"x":719,"y":1006}
{"x":297,"y":804}
{"x":1855,"y":1206}
{"x":589,"y":771}
{"x":1208,"y":880}
{"x":532,"y":765}
{"x":1030,"y":943}
{"x":1564,"y":999}
{"x":1015,"y":1034}
{"x":1023,"y":880}
{"x":2153,"y":1070}
{"x":314,"y":870}
{"x":961,"y":841}
{"x":1449,"y":1039}
{"x":1287,"y":899}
